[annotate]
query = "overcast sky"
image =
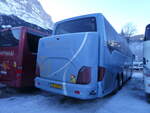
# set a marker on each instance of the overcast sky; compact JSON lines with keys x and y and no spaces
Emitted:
{"x":117,"y":12}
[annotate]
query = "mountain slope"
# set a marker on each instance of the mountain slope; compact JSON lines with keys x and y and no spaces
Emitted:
{"x":29,"y":10}
{"x":13,"y":21}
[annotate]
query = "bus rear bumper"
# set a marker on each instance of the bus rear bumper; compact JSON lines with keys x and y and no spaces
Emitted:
{"x":68,"y":89}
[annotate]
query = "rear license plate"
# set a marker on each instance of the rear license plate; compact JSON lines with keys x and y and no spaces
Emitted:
{"x":56,"y":86}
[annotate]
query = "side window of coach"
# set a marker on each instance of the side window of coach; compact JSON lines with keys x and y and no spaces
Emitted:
{"x":147,"y":34}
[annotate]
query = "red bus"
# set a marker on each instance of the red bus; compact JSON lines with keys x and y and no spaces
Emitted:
{"x":18,"y":52}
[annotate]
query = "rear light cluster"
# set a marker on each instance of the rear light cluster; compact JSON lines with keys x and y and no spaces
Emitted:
{"x":19,"y":72}
{"x":38,"y":83}
{"x":101,"y":73}
{"x":147,"y":75}
{"x":14,"y":64}
{"x":37,"y":72}
{"x":77,"y":92}
{"x":84,"y":75}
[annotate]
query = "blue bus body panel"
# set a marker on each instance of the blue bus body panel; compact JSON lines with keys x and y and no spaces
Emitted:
{"x":59,"y":57}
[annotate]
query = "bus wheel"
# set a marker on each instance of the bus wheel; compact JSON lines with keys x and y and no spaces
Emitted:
{"x":120,"y":82}
{"x":117,"y":88}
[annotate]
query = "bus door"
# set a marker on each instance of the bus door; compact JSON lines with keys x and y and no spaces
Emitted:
{"x":29,"y":58}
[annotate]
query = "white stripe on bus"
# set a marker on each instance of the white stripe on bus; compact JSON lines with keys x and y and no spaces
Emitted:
{"x":74,"y":56}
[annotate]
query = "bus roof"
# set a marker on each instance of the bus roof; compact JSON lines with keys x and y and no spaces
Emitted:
{"x":30,"y":30}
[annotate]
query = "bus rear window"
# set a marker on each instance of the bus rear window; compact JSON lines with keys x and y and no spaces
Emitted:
{"x":78,"y":25}
{"x":147,"y":33}
{"x":32,"y":41}
{"x":9,"y":38}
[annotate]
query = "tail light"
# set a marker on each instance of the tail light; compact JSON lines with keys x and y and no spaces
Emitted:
{"x":101,"y":73}
{"x":14,"y":64}
{"x":84,"y":75}
{"x":77,"y":92}
{"x":37,"y":72}
{"x":147,"y":75}
{"x":19,"y":72}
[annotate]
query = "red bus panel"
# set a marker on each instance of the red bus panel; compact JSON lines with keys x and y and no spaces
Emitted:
{"x":18,"y":51}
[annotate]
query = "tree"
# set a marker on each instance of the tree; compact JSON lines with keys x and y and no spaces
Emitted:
{"x":128,"y":30}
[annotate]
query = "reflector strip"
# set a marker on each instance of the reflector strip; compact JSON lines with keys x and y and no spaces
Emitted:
{"x":77,"y":92}
{"x":101,"y":73}
{"x":148,"y":75}
{"x":18,"y":76}
{"x":37,"y":72}
{"x":19,"y":71}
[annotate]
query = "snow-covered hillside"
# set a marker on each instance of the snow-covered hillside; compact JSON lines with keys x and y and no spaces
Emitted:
{"x":28,"y":10}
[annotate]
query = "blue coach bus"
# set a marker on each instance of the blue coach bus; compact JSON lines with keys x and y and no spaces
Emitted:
{"x":146,"y":62}
{"x":84,"y":58}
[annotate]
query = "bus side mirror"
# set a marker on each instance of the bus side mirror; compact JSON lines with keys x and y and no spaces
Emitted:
{"x":113,"y":44}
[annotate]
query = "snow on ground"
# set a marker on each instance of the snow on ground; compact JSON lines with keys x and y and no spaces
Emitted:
{"x":130,"y":99}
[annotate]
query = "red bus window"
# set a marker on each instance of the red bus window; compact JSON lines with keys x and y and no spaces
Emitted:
{"x":9,"y":38}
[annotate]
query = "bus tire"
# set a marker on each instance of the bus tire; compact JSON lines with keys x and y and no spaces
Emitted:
{"x":116,"y":89}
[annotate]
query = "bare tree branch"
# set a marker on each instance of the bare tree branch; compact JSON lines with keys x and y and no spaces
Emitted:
{"x":128,"y":30}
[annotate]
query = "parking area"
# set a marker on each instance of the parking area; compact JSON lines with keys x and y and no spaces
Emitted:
{"x":130,"y":99}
